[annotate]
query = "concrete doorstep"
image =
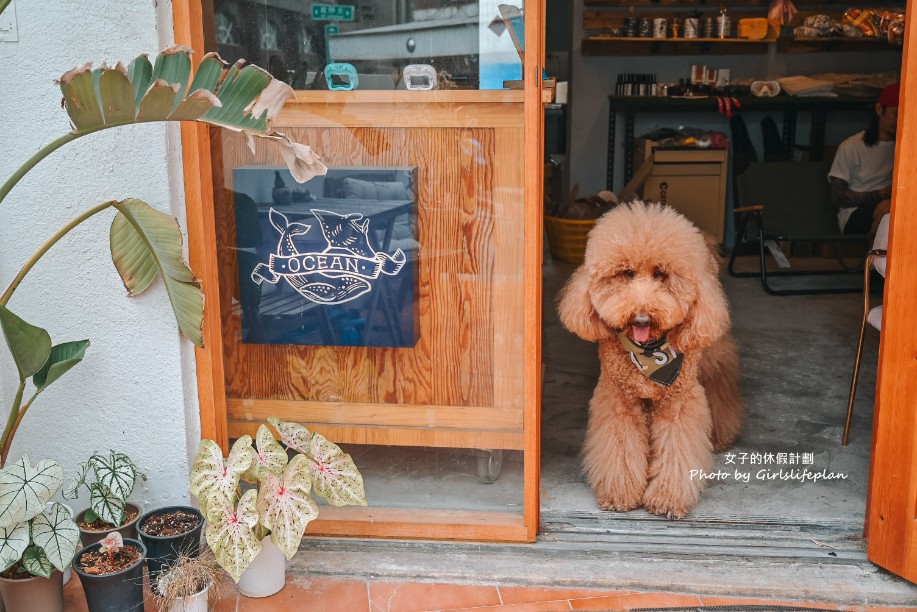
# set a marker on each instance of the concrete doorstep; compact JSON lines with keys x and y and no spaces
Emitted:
{"x":600,"y":562}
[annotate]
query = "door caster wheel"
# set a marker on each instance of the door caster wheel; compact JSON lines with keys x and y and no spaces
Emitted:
{"x":489,"y":464}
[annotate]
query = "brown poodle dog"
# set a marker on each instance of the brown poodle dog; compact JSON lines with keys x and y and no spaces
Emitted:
{"x":667,"y":398}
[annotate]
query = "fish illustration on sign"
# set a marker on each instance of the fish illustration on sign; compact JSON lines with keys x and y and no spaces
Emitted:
{"x":343,"y":271}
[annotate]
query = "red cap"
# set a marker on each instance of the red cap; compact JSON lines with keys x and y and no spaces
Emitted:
{"x":889,"y":95}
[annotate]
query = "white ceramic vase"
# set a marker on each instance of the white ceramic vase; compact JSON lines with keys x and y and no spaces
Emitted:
{"x":267,"y":573}
{"x":194,"y":603}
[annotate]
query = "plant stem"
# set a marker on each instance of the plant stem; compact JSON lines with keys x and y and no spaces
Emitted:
{"x":9,"y":440}
{"x":14,"y":412}
{"x":40,"y":155}
{"x":5,"y":298}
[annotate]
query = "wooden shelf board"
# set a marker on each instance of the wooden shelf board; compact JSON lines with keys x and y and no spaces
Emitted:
{"x":664,"y":46}
{"x":716,"y":4}
{"x":815,"y":45}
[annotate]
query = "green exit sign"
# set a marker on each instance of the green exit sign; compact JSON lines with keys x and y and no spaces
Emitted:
{"x":332,"y":12}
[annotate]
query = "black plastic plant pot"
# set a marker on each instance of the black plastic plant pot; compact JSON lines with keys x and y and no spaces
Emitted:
{"x":161,"y":551}
{"x":118,"y":592}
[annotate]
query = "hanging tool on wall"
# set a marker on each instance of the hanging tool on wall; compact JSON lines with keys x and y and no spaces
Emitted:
{"x":726,"y":104}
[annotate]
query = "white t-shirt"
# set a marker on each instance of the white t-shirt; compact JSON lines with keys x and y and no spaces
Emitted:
{"x":863,"y":168}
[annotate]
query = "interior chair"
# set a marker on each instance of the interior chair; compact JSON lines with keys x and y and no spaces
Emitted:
{"x":789,"y":202}
{"x":872,"y":316}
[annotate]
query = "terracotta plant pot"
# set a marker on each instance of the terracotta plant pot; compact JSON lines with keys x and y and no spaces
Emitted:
{"x":118,"y":592}
{"x":127,"y":530}
{"x":35,"y":593}
{"x":267,"y":573}
{"x":161,"y":551}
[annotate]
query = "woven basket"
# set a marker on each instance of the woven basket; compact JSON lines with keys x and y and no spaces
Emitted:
{"x":567,"y":237}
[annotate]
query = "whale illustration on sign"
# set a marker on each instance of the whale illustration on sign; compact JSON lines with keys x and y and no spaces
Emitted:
{"x":346,"y":269}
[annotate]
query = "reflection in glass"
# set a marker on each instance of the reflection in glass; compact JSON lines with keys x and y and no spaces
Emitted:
{"x":465,"y":43}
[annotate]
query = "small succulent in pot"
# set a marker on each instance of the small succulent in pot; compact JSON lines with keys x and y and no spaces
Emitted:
{"x":110,"y":480}
{"x":37,"y":537}
{"x":281,"y":504}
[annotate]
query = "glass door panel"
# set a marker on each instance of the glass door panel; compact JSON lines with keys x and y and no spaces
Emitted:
{"x":383,"y":304}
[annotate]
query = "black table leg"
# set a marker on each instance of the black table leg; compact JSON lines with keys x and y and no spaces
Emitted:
{"x":610,"y":169}
{"x":628,"y":145}
{"x":817,"y":137}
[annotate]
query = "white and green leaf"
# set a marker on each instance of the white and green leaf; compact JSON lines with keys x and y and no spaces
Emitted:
{"x":73,"y":490}
{"x":334,"y":474}
{"x":294,"y":435}
{"x":285,"y":506}
{"x":57,"y":535}
{"x":115,"y":472}
{"x":230,"y":533}
{"x":269,"y":456}
{"x":36,"y":563}
{"x":13,"y":542}
{"x":211,"y":476}
{"x":25,"y":489}
{"x":107,"y":506}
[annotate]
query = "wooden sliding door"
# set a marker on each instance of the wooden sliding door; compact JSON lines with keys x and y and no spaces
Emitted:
{"x":426,"y":369}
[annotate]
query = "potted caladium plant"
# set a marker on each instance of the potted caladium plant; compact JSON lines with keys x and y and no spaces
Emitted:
{"x":111,"y":571}
{"x":254,"y":530}
{"x":37,"y":540}
{"x":110,"y":480}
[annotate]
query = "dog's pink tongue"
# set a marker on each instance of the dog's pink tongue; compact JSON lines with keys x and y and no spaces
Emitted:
{"x":641,"y":332}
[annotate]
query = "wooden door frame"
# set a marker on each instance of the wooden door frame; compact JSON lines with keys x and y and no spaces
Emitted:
{"x":189,"y":22}
{"x":891,"y":526}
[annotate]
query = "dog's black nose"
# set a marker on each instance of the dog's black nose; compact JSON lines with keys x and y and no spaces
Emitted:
{"x":642,"y":319}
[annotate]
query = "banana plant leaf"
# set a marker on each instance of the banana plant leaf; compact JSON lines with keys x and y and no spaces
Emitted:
{"x":146,"y":243}
{"x":63,"y":357}
{"x":29,"y":345}
{"x":243,"y":98}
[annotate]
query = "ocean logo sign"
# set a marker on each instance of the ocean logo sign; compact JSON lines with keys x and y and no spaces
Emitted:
{"x":346,"y":269}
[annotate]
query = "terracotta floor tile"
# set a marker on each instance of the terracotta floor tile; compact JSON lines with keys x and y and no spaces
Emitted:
{"x":538,"y":606}
{"x":422,"y":596}
{"x":313,"y":594}
{"x":630,"y":601}
{"x":517,"y":594}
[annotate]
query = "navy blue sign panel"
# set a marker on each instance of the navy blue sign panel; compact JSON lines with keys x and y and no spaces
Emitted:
{"x":328,"y":263}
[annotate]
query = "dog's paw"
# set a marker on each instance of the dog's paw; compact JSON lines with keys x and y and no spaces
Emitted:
{"x":663,"y":502}
{"x":614,"y":504}
{"x":662,"y":508}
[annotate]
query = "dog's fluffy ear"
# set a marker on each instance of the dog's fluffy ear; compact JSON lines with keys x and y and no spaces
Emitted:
{"x":708,"y":318}
{"x":576,"y":311}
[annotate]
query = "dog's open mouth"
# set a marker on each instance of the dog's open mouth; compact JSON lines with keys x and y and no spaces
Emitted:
{"x":641,"y":333}
{"x":640,"y":329}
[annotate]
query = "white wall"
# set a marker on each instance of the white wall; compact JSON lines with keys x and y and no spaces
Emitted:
{"x":135,"y":390}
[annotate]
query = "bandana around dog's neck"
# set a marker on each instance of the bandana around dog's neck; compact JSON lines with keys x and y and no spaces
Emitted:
{"x":657,"y":360}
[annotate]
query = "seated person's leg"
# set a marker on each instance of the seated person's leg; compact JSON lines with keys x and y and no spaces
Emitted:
{"x":861,"y":221}
{"x":882,"y":209}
